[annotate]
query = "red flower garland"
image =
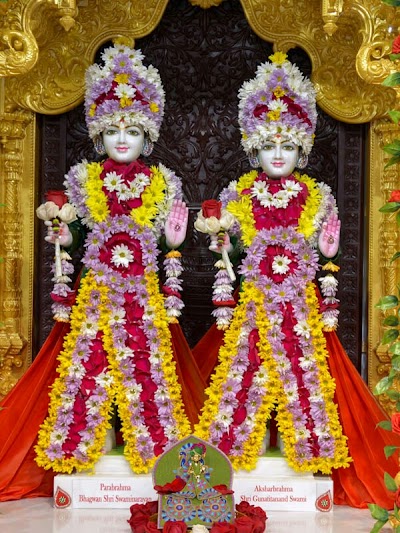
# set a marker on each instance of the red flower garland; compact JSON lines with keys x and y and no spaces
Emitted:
{"x":249,"y":519}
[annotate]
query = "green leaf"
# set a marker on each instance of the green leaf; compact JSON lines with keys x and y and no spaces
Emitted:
{"x":391,"y":320}
{"x":390,"y":207}
{"x":394,"y":3}
{"x":389,"y":450}
{"x":395,"y":350}
{"x":393,"y":395}
{"x":387,"y":302}
{"x":383,"y":385}
{"x":392,"y":80}
{"x":395,"y":115}
{"x":392,"y":161}
{"x":390,"y":484}
{"x":389,"y":336}
{"x":395,"y":361}
{"x":379,"y":513}
{"x":393,"y":147}
{"x":385,"y":424}
{"x":378,"y":526}
{"x":398,"y":223}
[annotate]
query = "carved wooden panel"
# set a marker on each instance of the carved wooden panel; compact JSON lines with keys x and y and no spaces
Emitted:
{"x":203,"y":57}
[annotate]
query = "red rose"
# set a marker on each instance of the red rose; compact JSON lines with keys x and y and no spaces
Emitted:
{"x":396,"y":423}
{"x":395,"y":196}
{"x":396,"y":45}
{"x":223,"y":527}
{"x":139,"y":518}
{"x":58,"y":197}
{"x":244,"y":524}
{"x":151,"y":527}
{"x":243,"y":507}
{"x":211,"y":208}
{"x":174,"y":486}
{"x":223,"y":489}
{"x":175,"y":527}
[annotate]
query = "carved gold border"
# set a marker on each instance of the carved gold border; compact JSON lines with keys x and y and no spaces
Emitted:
{"x":383,"y":242}
{"x":45,"y":48}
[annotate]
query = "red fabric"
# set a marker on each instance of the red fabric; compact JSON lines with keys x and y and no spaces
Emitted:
{"x":24,"y":409}
{"x":22,"y":412}
{"x":359,"y":413}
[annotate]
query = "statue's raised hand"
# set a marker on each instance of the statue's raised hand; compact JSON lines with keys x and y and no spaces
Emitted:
{"x":328,"y":241}
{"x":176,"y":224}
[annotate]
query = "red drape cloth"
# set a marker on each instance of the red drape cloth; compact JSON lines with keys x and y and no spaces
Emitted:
{"x":359,"y":413}
{"x":24,"y":409}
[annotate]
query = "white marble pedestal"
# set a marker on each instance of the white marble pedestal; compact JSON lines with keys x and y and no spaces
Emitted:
{"x":272,"y":485}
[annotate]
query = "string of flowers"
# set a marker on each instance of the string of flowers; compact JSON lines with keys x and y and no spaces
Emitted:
{"x":390,"y":306}
{"x":53,"y":212}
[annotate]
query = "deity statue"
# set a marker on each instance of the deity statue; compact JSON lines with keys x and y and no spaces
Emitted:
{"x":273,"y":355}
{"x":119,"y":348}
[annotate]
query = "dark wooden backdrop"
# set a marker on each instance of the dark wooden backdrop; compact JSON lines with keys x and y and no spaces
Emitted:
{"x":203,"y":57}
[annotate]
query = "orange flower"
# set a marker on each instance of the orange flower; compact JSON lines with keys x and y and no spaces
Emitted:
{"x":395,"y":196}
{"x":396,"y":423}
{"x":396,"y":45}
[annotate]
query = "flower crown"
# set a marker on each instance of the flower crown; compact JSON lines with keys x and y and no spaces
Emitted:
{"x":279,"y":100}
{"x":123,"y":88}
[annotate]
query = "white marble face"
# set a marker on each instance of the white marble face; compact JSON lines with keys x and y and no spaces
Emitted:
{"x":123,"y":143}
{"x":278,"y":157}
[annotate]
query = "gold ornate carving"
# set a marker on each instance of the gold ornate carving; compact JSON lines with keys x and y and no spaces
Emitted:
{"x":56,"y":83}
{"x":205,"y":4}
{"x":18,"y":48}
{"x":331,"y":10}
{"x":384,"y":239}
{"x":12,"y":342}
{"x":347,"y":87}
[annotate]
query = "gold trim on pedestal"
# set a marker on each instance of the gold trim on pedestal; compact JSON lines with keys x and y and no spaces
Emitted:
{"x":47,"y":46}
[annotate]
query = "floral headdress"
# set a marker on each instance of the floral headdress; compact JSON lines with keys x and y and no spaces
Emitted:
{"x":123,"y":88}
{"x":279,"y":100}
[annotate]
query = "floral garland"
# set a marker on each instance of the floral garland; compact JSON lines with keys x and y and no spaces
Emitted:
{"x":119,"y":347}
{"x":318,"y":204}
{"x":255,"y":370}
{"x":87,"y":187}
{"x":249,"y":518}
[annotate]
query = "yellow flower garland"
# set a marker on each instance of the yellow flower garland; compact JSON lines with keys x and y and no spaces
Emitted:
{"x":242,"y":208}
{"x":117,"y":391}
{"x":65,"y":359}
{"x":164,"y":353}
{"x":152,"y":197}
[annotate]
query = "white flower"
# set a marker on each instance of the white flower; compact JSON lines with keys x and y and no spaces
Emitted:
{"x":302,"y":329}
{"x":67,"y":213}
{"x":278,"y":104}
{"x":259,"y":189}
{"x":123,"y":193}
{"x":280,"y":264}
{"x":121,"y":256}
{"x":125,"y":91}
{"x":112,"y":181}
{"x":281,"y":199}
{"x":198,"y":528}
{"x":118,"y":316}
{"x":89,"y":329}
{"x":142,"y":179}
{"x":292,"y":187}
{"x":47,"y":211}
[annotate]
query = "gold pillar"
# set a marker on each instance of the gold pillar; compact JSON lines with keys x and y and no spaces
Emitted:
{"x":383,"y":242}
{"x":16,"y":265}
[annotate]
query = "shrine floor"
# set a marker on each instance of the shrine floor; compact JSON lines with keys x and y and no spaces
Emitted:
{"x":37,"y":515}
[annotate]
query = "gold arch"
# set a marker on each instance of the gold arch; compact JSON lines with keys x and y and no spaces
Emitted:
{"x":45,"y":48}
